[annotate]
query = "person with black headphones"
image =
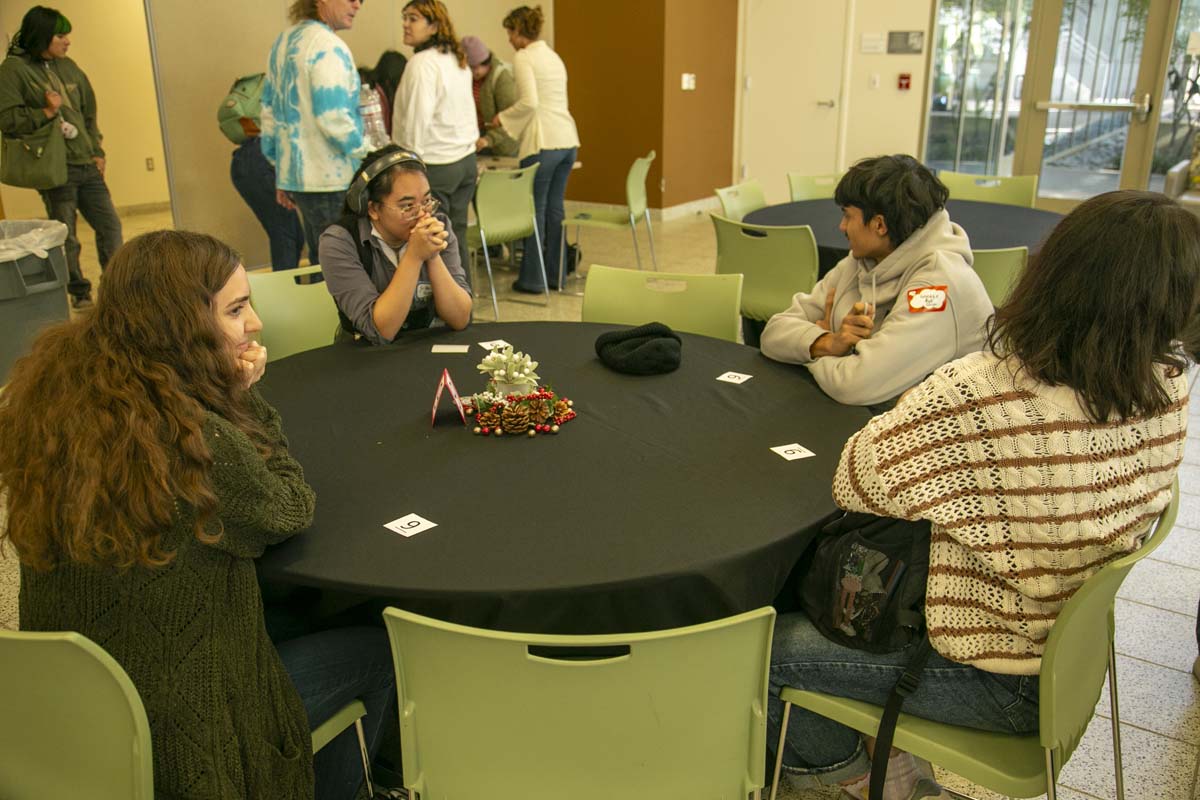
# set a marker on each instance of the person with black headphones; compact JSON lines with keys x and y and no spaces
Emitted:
{"x":392,"y":261}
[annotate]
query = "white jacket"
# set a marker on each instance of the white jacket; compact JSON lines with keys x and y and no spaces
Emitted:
{"x":434,"y":109}
{"x":540,"y":119}
{"x":311,"y":129}
{"x":907,"y":344}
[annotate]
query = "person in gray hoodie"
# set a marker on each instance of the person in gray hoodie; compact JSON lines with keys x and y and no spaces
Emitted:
{"x":903,"y":303}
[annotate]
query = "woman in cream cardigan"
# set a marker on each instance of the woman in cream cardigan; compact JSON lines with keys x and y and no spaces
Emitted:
{"x":542,"y":124}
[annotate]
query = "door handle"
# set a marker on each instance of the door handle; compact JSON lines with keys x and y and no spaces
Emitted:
{"x":1139,"y":107}
{"x":826,"y":103}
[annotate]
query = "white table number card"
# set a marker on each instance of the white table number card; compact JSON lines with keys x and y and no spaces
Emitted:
{"x":410,"y":525}
{"x":734,"y":377}
{"x":450,"y":348}
{"x":793,"y":451}
{"x":494,"y":344}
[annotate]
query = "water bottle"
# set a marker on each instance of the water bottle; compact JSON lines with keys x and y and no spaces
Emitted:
{"x":369,"y":108}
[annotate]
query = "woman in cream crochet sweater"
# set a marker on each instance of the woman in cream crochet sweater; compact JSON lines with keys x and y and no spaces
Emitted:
{"x":1037,"y":461}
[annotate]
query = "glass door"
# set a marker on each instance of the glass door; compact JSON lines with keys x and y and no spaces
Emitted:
{"x":1093,"y":98}
{"x":1090,"y":95}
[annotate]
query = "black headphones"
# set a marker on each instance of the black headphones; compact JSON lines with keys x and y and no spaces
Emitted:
{"x":356,"y":195}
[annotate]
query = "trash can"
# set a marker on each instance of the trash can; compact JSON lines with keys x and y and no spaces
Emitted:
{"x":33,"y":284}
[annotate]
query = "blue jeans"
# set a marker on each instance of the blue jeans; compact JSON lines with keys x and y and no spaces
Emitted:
{"x":329,"y":669}
{"x":318,"y":210}
{"x":549,"y":189}
{"x":86,"y":192}
{"x":254,"y":178}
{"x":820,"y":751}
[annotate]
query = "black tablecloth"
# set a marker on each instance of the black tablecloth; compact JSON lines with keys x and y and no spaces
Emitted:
{"x":990,"y":226}
{"x":660,"y":505}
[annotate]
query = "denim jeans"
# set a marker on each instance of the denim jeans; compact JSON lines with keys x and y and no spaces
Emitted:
{"x":254,"y":178}
{"x":329,"y":669}
{"x":549,"y":189}
{"x":820,"y":751}
{"x":453,"y":185}
{"x":86,"y":192}
{"x":318,"y":210}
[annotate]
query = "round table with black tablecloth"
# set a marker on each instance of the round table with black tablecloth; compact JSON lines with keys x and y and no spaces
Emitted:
{"x":989,"y":226}
{"x":660,"y":505}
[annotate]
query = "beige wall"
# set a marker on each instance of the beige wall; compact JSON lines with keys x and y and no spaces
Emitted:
{"x":108,"y":41}
{"x":885,"y":120}
{"x":199,"y":54}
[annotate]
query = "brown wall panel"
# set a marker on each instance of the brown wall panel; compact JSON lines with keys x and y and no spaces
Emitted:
{"x":697,"y":153}
{"x":613,"y":52}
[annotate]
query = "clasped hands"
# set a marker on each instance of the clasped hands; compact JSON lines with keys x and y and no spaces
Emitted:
{"x":856,"y":326}
{"x":427,"y":238}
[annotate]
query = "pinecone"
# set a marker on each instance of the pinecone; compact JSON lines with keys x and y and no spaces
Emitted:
{"x":539,"y":411}
{"x":561,"y":408}
{"x":515,"y":418}
{"x":489,"y":418}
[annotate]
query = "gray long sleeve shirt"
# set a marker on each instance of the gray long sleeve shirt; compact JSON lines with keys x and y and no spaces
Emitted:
{"x":356,"y":286}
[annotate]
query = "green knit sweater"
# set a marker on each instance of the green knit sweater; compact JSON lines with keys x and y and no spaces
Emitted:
{"x":225,"y":720}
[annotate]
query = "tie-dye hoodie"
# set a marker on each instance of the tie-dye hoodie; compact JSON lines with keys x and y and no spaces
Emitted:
{"x":311,"y":129}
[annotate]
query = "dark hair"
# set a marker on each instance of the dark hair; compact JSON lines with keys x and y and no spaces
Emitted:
{"x":445,"y":40}
{"x":525,"y":21}
{"x":381,"y":185}
{"x":39,"y":26}
{"x":1110,"y":297}
{"x":898,"y":187}
{"x":388,"y":71}
{"x":100,"y":479}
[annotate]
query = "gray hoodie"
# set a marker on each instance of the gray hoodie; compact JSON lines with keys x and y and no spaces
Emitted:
{"x":906,"y":345}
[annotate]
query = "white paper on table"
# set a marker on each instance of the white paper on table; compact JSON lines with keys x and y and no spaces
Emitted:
{"x":793,"y":451}
{"x":494,"y":343}
{"x":734,"y":377}
{"x":410,"y":525}
{"x":450,"y":348}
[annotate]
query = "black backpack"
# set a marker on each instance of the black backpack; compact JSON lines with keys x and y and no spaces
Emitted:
{"x":865,"y":588}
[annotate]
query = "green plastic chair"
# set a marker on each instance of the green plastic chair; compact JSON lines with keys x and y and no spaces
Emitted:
{"x":811,"y":187}
{"x":1015,"y":190}
{"x":616,"y":219}
{"x":777,"y":262}
{"x":505,"y":211}
{"x":703,"y":304}
{"x":350,"y":714}
{"x":672,"y":713}
{"x":73,"y":724}
{"x":740,"y":199}
{"x":1074,"y":664}
{"x":296,"y":316}
{"x":998,"y":269}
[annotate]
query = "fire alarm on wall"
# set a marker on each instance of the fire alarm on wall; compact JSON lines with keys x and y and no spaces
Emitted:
{"x":905,"y":82}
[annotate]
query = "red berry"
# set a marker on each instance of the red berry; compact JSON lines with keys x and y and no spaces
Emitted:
{"x":485,"y":431}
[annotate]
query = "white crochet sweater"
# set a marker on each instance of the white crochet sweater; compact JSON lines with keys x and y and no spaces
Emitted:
{"x":1028,"y":498}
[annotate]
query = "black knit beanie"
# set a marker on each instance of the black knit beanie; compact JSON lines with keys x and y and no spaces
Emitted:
{"x":650,"y":349}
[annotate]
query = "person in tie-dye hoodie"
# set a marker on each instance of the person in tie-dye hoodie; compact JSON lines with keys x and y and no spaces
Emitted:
{"x":311,"y":129}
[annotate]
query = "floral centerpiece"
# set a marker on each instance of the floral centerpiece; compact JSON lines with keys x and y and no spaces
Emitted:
{"x":513,"y":403}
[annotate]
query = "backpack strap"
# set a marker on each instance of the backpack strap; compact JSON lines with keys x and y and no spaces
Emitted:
{"x":365,"y":257}
{"x":906,"y":685}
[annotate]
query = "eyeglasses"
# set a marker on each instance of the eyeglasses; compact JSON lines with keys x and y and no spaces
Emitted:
{"x":413,"y":210}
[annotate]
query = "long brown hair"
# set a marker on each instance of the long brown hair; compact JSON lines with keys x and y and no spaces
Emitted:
{"x":445,"y":40}
{"x":1108,"y":301}
{"x":101,"y":424}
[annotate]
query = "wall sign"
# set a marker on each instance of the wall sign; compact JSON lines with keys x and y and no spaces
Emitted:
{"x":906,"y":42}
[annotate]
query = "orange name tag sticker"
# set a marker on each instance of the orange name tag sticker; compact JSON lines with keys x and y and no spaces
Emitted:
{"x":927,"y":298}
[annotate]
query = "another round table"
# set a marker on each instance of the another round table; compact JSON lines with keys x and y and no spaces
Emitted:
{"x":990,"y":226}
{"x":660,"y":505}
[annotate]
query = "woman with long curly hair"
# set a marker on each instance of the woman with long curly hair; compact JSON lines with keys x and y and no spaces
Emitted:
{"x":433,"y":113}
{"x":143,"y":473}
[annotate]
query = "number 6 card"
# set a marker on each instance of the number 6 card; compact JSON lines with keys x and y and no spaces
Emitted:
{"x":793,"y":451}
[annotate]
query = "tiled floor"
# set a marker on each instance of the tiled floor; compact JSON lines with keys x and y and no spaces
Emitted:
{"x":1156,"y":608}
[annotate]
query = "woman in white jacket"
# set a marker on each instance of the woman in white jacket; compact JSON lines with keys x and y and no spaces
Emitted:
{"x":541,"y":122}
{"x":434,"y":111}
